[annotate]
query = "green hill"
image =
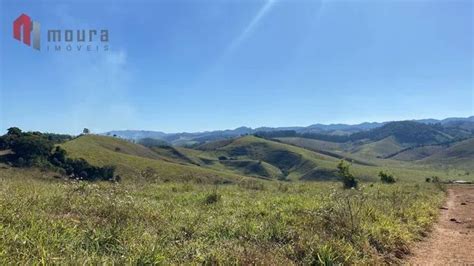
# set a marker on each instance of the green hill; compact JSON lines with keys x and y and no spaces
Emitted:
{"x":293,"y":162}
{"x":314,"y":144}
{"x":459,"y":155}
{"x":233,"y":160}
{"x":170,"y":153}
{"x":254,"y":168}
{"x":135,"y":162}
{"x":408,"y":132}
{"x":378,"y":149}
{"x":417,"y":153}
{"x":334,"y":149}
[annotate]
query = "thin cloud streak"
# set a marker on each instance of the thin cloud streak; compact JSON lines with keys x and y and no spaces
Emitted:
{"x":251,"y":26}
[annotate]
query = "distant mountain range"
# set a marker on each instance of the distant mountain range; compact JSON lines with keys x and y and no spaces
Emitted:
{"x":186,"y":138}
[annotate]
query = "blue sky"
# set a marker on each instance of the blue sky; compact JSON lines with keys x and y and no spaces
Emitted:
{"x":201,"y":65}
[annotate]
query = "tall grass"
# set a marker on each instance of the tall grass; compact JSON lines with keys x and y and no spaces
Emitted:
{"x":57,"y":222}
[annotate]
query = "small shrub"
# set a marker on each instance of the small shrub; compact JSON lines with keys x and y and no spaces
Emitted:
{"x":386,"y":178}
{"x":348,"y":180}
{"x":428,"y":180}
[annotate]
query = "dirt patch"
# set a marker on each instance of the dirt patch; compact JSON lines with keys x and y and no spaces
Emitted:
{"x":452,"y":239}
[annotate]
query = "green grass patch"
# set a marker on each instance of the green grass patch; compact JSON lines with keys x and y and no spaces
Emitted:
{"x":51,"y":221}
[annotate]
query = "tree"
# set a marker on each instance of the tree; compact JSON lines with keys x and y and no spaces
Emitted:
{"x":8,"y":139}
{"x":31,"y":147}
{"x":86,"y":131}
{"x":14,"y":131}
{"x":348,"y":179}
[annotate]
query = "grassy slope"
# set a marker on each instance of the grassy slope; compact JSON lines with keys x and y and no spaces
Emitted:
{"x":378,"y":149}
{"x":314,"y":144}
{"x":419,"y":162}
{"x":254,"y":168}
{"x":209,"y":159}
{"x":404,"y":170}
{"x":175,"y":155}
{"x":133,"y":159}
{"x":338,"y":150}
{"x":52,"y":221}
{"x":460,"y":155}
{"x":418,"y":153}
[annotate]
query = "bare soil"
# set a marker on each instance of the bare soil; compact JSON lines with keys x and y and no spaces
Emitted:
{"x":452,"y":240}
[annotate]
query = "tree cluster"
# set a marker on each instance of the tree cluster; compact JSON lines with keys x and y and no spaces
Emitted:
{"x":37,"y":149}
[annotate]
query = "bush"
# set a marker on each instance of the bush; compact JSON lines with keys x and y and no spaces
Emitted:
{"x":386,"y":177}
{"x":81,"y":169}
{"x":348,"y":180}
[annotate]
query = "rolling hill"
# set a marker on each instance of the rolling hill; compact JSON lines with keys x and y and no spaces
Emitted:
{"x":409,"y":148}
{"x":459,"y":155}
{"x":301,"y":163}
{"x":334,"y":149}
{"x":406,"y":132}
{"x":379,"y":148}
{"x":186,"y":138}
{"x":416,"y":153}
{"x":133,"y":160}
{"x":293,"y":162}
{"x":288,"y":158}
